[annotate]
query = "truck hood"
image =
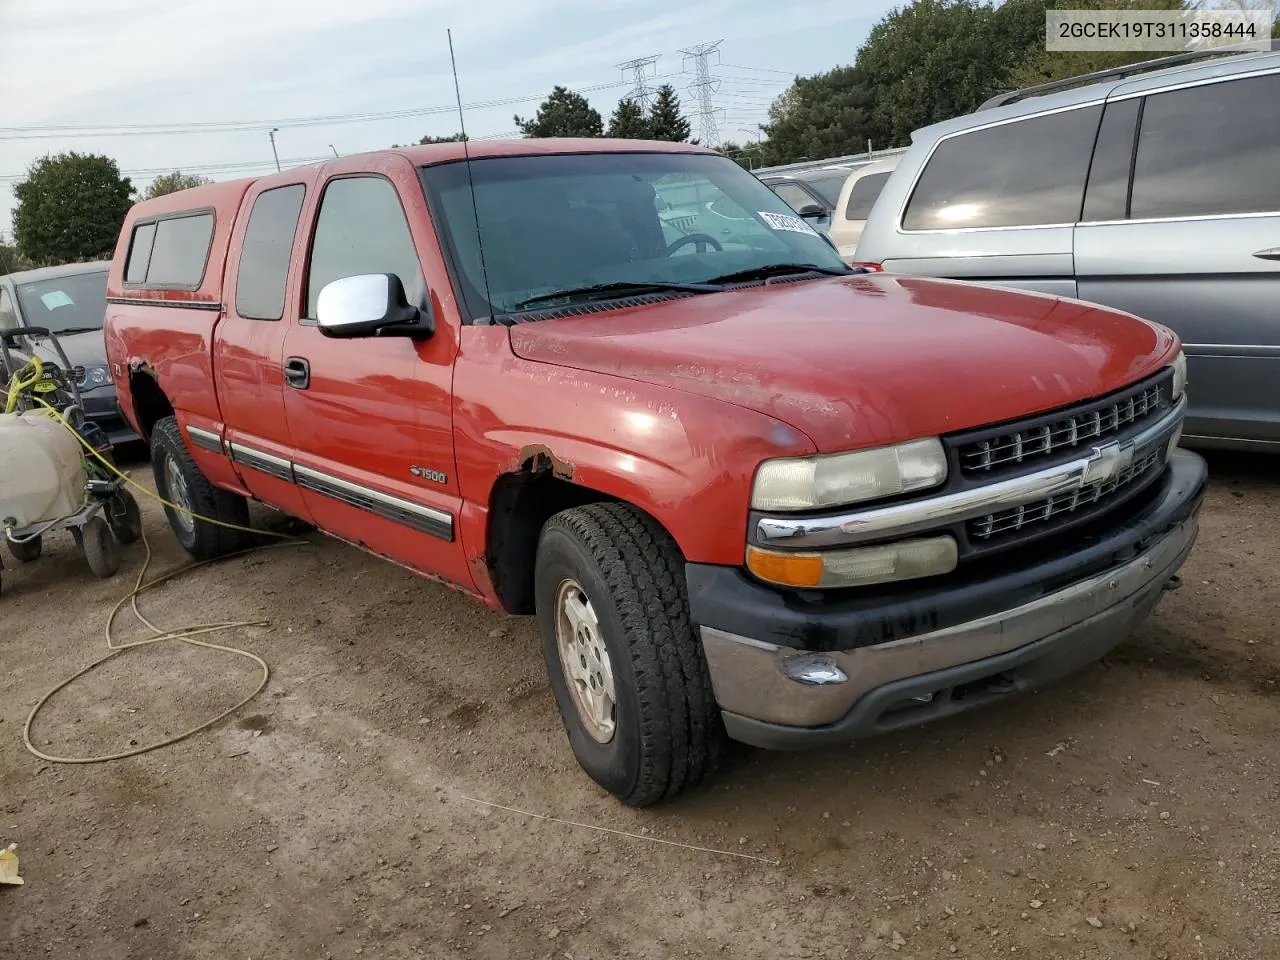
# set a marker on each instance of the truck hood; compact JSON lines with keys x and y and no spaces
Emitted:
{"x":864,"y":360}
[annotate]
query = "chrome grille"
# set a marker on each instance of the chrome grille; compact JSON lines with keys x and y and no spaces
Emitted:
{"x":1032,"y":515}
{"x":1059,"y":433}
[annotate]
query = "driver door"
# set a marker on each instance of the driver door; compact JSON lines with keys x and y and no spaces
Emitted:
{"x":370,"y":418}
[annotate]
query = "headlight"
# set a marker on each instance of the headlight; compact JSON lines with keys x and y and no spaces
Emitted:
{"x":859,"y":566}
{"x":1179,"y":375}
{"x":98,"y":375}
{"x":808,"y":483}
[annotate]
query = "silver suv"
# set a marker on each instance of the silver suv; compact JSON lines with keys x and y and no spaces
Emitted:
{"x":1154,"y":189}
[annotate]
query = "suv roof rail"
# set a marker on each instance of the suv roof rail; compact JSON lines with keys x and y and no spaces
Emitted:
{"x":1116,"y":73}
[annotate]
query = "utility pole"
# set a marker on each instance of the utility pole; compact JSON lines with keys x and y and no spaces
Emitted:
{"x":272,"y":135}
{"x":639,"y":68}
{"x":703,"y":87}
{"x":334,"y":149}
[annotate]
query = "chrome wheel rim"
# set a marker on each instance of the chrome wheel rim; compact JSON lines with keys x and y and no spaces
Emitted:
{"x":179,"y":495}
{"x":585,"y":662}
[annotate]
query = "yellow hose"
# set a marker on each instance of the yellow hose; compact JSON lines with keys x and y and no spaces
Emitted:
{"x":182,"y":634}
{"x":17,"y":384}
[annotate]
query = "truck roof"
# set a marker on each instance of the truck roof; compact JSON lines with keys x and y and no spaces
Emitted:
{"x":229,"y":192}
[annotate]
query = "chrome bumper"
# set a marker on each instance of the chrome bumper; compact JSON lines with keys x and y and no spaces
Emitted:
{"x":754,"y":680}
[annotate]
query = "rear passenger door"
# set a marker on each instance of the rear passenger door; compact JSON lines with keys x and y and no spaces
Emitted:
{"x":999,"y":203}
{"x":249,"y":343}
{"x":371,"y":418}
{"x":1182,"y":226}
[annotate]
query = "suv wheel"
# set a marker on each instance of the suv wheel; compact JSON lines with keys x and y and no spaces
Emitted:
{"x":622,"y":655}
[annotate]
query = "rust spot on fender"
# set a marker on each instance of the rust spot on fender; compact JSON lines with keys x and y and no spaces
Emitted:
{"x":139,"y":365}
{"x":538,"y":458}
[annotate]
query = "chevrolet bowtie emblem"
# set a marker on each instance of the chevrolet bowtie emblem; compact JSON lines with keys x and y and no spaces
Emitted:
{"x":1108,"y":462}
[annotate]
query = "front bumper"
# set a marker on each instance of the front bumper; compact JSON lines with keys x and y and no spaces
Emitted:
{"x":102,"y":409}
{"x":917,"y":653}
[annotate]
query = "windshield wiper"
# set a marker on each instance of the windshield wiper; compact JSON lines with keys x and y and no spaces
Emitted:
{"x":778,"y":270}
{"x":77,"y":330}
{"x":604,"y":291}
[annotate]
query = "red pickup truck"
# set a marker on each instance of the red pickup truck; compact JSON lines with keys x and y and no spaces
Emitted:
{"x":746,"y":490}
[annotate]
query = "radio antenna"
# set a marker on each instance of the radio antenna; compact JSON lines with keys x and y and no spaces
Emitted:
{"x":471,"y":184}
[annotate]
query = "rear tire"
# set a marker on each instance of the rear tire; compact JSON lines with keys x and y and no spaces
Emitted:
{"x":124,"y":517}
{"x":663,"y":733}
{"x":180,"y":481}
{"x":26,"y":551}
{"x":101,"y":548}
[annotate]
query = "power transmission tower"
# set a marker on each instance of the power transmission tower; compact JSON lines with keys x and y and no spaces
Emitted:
{"x":703,"y":87}
{"x":639,"y":68}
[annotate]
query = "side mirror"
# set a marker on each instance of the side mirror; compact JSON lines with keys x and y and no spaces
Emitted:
{"x":812,"y":211}
{"x":369,"y":305}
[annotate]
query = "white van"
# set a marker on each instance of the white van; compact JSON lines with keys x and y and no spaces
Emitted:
{"x":857,"y":197}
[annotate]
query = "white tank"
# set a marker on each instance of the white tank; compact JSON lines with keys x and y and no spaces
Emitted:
{"x":41,"y":471}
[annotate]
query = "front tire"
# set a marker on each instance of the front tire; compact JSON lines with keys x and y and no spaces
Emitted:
{"x":180,"y":481}
{"x":623,"y":657}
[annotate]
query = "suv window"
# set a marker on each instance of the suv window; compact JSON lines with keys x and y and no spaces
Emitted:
{"x":795,"y":195}
{"x":264,"y":259}
{"x":1016,"y":174}
{"x":8,"y":316}
{"x":362,"y":229}
{"x":1209,"y":150}
{"x":863,"y":195}
{"x":175,"y":251}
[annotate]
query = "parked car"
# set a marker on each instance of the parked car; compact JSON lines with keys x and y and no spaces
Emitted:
{"x":857,"y":197}
{"x":745,"y":491}
{"x":813,"y":194}
{"x":71,"y":301}
{"x":1152,"y":189}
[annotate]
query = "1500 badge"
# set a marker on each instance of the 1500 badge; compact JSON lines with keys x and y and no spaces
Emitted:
{"x":425,"y":473}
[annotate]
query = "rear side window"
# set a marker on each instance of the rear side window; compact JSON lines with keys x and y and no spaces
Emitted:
{"x":362,"y":229}
{"x":140,"y":253}
{"x":863,"y":195}
{"x":171,"y":252}
{"x":1017,"y":174}
{"x":264,"y":260}
{"x":1209,"y":150}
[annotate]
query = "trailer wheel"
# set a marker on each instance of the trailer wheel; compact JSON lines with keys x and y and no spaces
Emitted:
{"x":27,"y":550}
{"x":124,"y":517}
{"x":101,"y":548}
{"x":622,"y":654}
{"x":180,"y":481}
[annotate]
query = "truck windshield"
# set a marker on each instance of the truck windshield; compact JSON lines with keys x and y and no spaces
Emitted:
{"x":565,"y":222}
{"x":75,"y":303}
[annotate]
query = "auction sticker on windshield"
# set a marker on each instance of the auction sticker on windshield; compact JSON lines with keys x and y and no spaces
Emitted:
{"x":780,"y":221}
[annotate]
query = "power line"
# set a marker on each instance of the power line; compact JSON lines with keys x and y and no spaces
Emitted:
{"x":738,"y":66}
{"x":704,"y":87}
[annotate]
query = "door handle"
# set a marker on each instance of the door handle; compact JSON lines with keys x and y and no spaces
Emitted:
{"x":297,"y":373}
{"x":1272,"y":254}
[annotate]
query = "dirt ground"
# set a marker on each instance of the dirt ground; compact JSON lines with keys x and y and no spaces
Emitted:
{"x":1131,"y":812}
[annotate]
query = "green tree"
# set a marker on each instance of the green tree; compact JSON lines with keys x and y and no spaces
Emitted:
{"x":933,"y":60}
{"x":70,"y":208}
{"x":826,"y":115}
{"x":172,"y":183}
{"x":11,"y":261}
{"x":628,"y":121}
{"x":1041,"y":65}
{"x":451,"y":138}
{"x":748,"y":155}
{"x":666,"y":122}
{"x":563,"y":114}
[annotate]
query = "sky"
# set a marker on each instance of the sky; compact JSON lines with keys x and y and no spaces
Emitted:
{"x":104,"y":66}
